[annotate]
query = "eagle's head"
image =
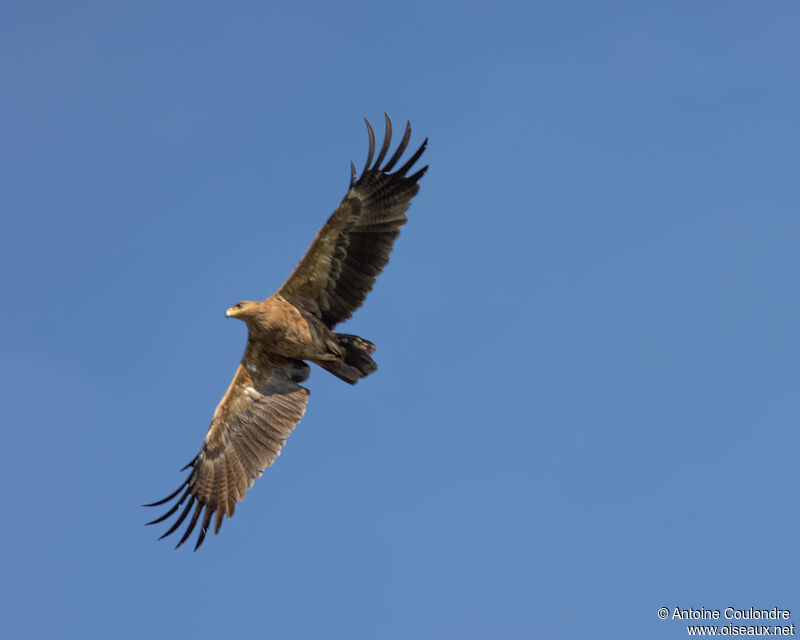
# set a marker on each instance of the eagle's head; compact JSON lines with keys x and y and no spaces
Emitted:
{"x":241,"y":310}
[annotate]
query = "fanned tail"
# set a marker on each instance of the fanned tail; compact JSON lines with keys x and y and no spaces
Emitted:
{"x":358,"y":362}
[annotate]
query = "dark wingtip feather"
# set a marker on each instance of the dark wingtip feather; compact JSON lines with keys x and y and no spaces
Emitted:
{"x":399,"y":151}
{"x":416,"y":176}
{"x":203,"y":528}
{"x":371,"y":150}
{"x":171,"y":511}
{"x":168,"y":498}
{"x":402,"y":170}
{"x":352,"y":173}
{"x":387,"y":139}
{"x":179,"y":521}
{"x":191,"y":525}
{"x":193,"y":501}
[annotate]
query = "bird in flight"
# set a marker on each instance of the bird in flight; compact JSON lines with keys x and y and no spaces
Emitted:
{"x":265,"y":401}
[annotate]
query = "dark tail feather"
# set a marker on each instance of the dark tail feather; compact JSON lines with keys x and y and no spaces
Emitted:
{"x":357,"y":361}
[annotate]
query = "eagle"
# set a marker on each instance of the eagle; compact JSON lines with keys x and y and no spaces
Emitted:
{"x":292,"y":327}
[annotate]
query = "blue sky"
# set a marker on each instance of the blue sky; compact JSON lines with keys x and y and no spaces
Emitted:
{"x":586,"y":403}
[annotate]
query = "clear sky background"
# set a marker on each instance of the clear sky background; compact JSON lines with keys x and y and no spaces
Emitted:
{"x":586,"y":406}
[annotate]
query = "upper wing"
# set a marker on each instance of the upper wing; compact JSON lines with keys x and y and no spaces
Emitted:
{"x":352,"y":248}
{"x":250,"y":426}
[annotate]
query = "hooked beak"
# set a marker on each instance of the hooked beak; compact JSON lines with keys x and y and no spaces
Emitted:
{"x":230,"y":313}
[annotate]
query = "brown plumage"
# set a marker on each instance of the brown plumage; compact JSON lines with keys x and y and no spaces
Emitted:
{"x":265,"y":401}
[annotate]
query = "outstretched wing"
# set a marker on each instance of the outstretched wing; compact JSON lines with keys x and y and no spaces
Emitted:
{"x":250,"y":426}
{"x":352,"y":248}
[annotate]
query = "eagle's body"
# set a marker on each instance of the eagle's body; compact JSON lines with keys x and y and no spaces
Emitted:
{"x":278,"y":328}
{"x":283,"y":329}
{"x":265,"y":401}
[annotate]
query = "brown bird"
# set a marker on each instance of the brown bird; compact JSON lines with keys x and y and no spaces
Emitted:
{"x":265,"y":401}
